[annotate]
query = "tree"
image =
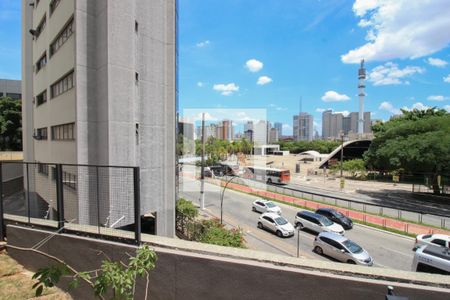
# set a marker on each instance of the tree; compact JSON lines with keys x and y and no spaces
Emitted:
{"x":417,"y":142}
{"x":354,"y":166}
{"x":10,"y":124}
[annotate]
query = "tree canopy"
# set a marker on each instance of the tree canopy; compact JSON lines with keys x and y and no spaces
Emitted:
{"x":320,"y":146}
{"x":416,"y":142}
{"x":10,"y":124}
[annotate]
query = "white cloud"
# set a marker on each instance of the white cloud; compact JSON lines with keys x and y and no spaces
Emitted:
{"x":226,"y":89}
{"x":390,"y":73}
{"x":276,"y":107}
{"x":447,"y":79}
{"x":387,"y":106}
{"x":437,"y":62}
{"x":400,"y":29}
{"x":332,"y":96}
{"x":254,"y":65}
{"x":320,"y":110}
{"x":418,"y":105}
{"x":437,"y":98}
{"x":287,"y":127}
{"x":345,"y":113}
{"x":447,"y":108}
{"x":262,"y":80}
{"x":202,"y":44}
{"x":200,"y":84}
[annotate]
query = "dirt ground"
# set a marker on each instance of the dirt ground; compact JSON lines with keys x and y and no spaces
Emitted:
{"x":16,"y":282}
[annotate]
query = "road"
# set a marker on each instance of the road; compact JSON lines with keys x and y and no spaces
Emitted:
{"x":388,"y":250}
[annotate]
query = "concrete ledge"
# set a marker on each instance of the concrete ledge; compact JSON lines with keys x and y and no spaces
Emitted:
{"x":188,"y":270}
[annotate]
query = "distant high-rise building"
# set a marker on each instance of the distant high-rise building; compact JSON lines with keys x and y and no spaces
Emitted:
{"x":335,"y":123}
{"x":260,"y":132}
{"x":186,"y":129}
{"x":326,"y":124}
{"x":11,"y":88}
{"x":273,"y":135}
{"x":303,"y":125}
{"x":279,"y":127}
{"x":225,"y":130}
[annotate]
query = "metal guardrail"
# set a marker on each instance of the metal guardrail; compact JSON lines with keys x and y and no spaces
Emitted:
{"x":437,"y":220}
{"x":106,"y":197}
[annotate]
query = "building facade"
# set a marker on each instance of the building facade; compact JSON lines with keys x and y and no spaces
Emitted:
{"x":303,"y":127}
{"x":11,"y":88}
{"x":99,"y":87}
{"x":279,"y":127}
{"x":335,"y":123}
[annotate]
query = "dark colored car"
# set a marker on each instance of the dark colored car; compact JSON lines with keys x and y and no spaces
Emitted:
{"x":336,"y":217}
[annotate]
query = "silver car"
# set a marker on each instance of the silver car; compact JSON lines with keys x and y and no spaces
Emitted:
{"x":341,"y":249}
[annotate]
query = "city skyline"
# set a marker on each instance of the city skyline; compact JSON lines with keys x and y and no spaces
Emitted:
{"x":271,"y":55}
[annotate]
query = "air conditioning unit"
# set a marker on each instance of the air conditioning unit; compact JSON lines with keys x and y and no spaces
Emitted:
{"x":37,"y":136}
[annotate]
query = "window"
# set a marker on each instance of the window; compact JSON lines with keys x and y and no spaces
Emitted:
{"x":14,"y":96}
{"x":61,"y":38}
{"x":136,"y":26}
{"x":63,"y":132}
{"x":268,"y":219}
{"x":40,"y":27}
{"x":43,"y":169}
{"x":41,"y":98}
{"x":438,"y":242}
{"x":53,"y":5}
{"x":62,"y":85}
{"x":41,"y":62}
{"x":41,"y":133}
{"x":69,"y":180}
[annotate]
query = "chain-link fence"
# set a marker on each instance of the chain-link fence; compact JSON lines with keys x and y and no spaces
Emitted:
{"x":101,"y":200}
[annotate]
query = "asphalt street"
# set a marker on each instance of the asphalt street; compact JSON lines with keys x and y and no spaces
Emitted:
{"x":388,"y":250}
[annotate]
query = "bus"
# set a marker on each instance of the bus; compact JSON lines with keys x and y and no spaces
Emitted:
{"x":268,"y":175}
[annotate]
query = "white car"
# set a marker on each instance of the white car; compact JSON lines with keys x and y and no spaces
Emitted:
{"x":277,"y":224}
{"x":430,"y":259}
{"x":317,"y":223}
{"x":263,"y":206}
{"x":436,"y":240}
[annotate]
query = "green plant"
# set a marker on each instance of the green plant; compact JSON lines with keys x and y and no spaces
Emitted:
{"x":216,"y":233}
{"x":114,"y":276}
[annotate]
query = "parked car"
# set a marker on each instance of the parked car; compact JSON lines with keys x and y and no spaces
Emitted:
{"x":336,"y":217}
{"x":437,"y":240}
{"x":317,"y":223}
{"x":430,"y":259}
{"x":341,"y":249}
{"x":262,"y":206}
{"x":277,"y":224}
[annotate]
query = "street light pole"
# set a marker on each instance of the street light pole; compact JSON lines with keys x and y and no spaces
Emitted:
{"x":202,"y":169}
{"x":342,"y":158}
{"x":221,"y":197}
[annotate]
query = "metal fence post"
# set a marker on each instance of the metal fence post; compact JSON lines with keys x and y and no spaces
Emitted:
{"x":2,"y":233}
{"x":137,"y":205}
{"x":28,"y":195}
{"x":60,"y":196}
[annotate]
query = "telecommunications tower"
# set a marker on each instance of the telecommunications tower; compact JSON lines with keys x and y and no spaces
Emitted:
{"x":361,"y":87}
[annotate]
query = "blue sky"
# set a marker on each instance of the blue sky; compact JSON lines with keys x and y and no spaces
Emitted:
{"x":298,"y":49}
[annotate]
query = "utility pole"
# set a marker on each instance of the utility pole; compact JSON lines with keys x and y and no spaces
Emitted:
{"x":202,"y":169}
{"x":342,"y":159}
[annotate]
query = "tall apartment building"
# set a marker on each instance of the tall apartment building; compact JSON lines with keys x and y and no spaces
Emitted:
{"x":11,"y":88}
{"x":335,"y":123}
{"x":99,"y":88}
{"x":273,"y":135}
{"x":225,"y":130}
{"x":303,"y":127}
{"x":279,"y":127}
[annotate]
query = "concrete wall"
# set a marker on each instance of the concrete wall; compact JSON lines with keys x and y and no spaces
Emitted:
{"x":196,"y":272}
